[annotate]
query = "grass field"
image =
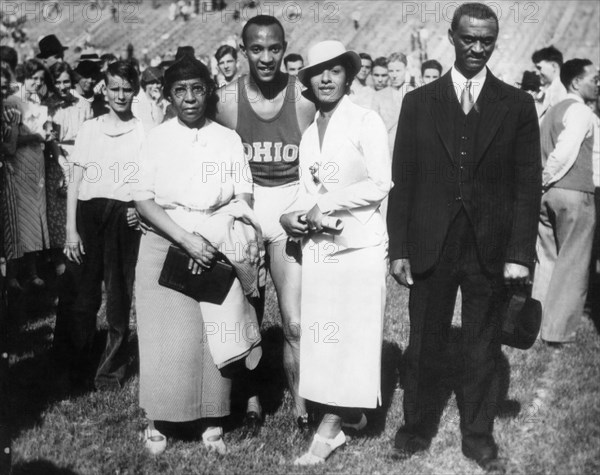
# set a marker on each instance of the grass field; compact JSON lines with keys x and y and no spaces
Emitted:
{"x":549,"y":424}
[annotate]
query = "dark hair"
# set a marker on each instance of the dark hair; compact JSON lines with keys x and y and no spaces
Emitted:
{"x":381,"y":62}
{"x":431,"y":64}
{"x":151,"y":75}
{"x":473,"y":10}
{"x":124,"y":69}
{"x":224,"y":50}
{"x":10,"y":56}
{"x":189,"y":67}
{"x":5,"y":71}
{"x":365,"y":56}
{"x":61,"y":67}
{"x":549,"y":53}
{"x":290,"y":58}
{"x":573,"y":69}
{"x":108,"y":58}
{"x":30,"y":67}
{"x":262,"y":20}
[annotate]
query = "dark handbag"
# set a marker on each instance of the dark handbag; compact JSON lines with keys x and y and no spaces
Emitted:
{"x":521,"y":319}
{"x":211,"y":285}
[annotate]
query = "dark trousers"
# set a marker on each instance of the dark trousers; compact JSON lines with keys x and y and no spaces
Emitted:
{"x":431,"y":306}
{"x":111,"y":249}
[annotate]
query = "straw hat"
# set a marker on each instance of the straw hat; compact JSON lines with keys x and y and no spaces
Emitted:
{"x":327,"y":52}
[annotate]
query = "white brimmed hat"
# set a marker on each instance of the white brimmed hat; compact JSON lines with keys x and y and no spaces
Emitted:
{"x":325,"y":52}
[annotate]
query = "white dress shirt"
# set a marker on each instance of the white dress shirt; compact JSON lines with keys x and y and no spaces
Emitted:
{"x":195,"y":169}
{"x":460,"y":82}
{"x":578,"y":122}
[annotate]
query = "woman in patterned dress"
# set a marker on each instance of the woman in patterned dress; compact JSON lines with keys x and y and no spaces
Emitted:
{"x":27,"y":170}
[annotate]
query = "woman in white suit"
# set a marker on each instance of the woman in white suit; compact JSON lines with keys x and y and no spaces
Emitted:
{"x":345,"y":174}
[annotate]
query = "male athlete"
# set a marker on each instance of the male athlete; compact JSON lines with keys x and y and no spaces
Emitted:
{"x":266,"y":109}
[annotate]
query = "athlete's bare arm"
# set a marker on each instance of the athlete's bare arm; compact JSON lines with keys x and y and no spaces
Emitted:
{"x":227,"y":106}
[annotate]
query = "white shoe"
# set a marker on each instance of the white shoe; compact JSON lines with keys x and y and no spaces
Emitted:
{"x":154,"y":442}
{"x":320,"y":449}
{"x":213,"y":440}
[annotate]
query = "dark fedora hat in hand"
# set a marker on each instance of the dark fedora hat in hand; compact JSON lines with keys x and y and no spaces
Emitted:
{"x":521,"y":318}
{"x":530,"y":81}
{"x":50,"y":46}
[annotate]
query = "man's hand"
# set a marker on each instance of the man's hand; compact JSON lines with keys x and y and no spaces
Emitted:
{"x":74,"y":247}
{"x":400,"y":270}
{"x":293,"y":225}
{"x":516,"y":274}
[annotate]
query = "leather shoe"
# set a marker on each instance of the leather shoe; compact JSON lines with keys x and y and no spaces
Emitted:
{"x":303,"y":422}
{"x":407,"y":449}
{"x":487,"y":458}
{"x":492,"y":465}
{"x":253,"y":422}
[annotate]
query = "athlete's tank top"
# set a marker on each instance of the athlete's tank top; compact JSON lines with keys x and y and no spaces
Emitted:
{"x":271,"y":146}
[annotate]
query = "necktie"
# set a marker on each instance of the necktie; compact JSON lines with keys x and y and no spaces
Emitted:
{"x":466,"y":98}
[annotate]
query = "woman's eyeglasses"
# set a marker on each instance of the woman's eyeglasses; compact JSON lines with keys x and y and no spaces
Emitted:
{"x":197,"y":90}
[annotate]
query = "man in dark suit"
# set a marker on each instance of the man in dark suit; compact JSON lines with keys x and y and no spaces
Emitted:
{"x":463,"y":214}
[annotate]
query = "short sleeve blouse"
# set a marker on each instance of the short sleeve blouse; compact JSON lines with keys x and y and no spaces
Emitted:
{"x":198,"y":169}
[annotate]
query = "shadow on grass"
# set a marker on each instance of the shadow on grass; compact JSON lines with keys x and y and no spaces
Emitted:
{"x":268,"y":380}
{"x":36,"y":382}
{"x":40,"y":467}
{"x":454,"y":375}
{"x":391,"y":356}
{"x":594,"y":299}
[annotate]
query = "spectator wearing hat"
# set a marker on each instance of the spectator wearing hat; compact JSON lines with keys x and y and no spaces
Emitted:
{"x":532,"y":84}
{"x":149,"y":105}
{"x":51,"y":50}
{"x":87,"y":74}
{"x":343,"y":272}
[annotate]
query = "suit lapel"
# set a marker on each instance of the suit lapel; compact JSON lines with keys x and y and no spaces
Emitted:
{"x":442,"y":111}
{"x":493,"y":111}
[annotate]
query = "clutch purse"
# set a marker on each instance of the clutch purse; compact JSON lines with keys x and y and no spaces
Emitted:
{"x":521,"y":319}
{"x":211,"y":285}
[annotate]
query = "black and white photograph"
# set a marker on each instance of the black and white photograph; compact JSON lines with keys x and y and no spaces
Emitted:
{"x":300,"y":236}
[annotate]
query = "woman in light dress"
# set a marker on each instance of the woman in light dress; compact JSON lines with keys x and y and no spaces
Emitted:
{"x":345,"y":174}
{"x":191,"y":170}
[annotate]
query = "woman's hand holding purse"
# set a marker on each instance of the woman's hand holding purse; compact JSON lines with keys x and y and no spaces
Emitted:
{"x":202,"y":252}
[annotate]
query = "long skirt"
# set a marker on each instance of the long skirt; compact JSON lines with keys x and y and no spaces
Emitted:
{"x":343,"y":302}
{"x":178,"y":379}
{"x":26,"y":194}
{"x":56,"y":203}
